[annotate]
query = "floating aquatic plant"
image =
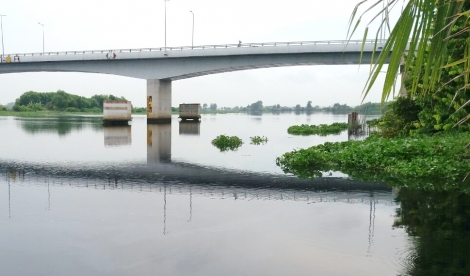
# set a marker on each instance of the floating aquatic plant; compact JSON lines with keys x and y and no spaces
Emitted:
{"x":225,"y":143}
{"x":322,"y":130}
{"x":257,"y":140}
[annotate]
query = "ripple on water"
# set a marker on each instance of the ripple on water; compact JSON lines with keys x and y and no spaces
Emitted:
{"x":406,"y":258}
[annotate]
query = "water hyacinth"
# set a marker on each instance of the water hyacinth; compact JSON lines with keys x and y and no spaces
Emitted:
{"x":225,"y":143}
{"x":439,"y":161}
{"x":322,"y":130}
{"x":257,"y":140}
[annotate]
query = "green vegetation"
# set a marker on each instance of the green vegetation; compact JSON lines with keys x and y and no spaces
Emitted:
{"x":33,"y":104}
{"x":225,"y":143}
{"x":257,"y":140}
{"x":422,"y":139}
{"x":428,"y":29}
{"x":257,"y":108}
{"x":52,"y":102}
{"x":61,"y":101}
{"x":419,"y":162}
{"x":322,"y":130}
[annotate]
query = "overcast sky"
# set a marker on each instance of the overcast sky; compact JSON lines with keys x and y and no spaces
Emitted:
{"x":102,"y":24}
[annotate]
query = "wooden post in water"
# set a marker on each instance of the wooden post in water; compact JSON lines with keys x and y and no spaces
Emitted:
{"x":352,"y":123}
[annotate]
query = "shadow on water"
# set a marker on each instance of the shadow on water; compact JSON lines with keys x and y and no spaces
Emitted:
{"x":160,"y":170}
{"x":439,"y":223}
{"x":61,"y":125}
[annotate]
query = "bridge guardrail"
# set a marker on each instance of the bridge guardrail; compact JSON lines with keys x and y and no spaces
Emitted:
{"x":201,"y":47}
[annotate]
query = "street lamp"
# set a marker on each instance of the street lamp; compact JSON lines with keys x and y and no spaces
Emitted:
{"x":42,"y":37}
{"x":192,"y":40}
{"x":1,"y":27}
{"x":165,"y":22}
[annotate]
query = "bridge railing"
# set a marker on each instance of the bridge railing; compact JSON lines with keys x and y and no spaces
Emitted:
{"x":200,"y":47}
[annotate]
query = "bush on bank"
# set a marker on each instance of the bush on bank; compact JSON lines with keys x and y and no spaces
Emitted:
{"x":420,"y":162}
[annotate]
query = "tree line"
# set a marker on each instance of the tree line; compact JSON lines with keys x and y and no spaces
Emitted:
{"x":258,"y":108}
{"x":61,"y":101}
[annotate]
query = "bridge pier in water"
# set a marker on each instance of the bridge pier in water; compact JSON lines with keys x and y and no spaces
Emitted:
{"x":158,"y":101}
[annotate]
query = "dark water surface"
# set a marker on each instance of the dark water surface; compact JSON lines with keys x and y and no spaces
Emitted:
{"x":77,"y":198}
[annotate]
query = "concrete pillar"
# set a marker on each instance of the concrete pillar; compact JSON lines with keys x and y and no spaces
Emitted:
{"x":158,"y":101}
{"x":158,"y":143}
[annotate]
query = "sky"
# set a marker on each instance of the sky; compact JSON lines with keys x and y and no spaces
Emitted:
{"x":103,"y":25}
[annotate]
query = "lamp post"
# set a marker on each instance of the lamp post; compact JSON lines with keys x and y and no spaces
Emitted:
{"x":192,"y":38}
{"x":165,"y":22}
{"x":1,"y":27}
{"x":42,"y":37}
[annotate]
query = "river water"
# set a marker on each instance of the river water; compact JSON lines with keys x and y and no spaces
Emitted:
{"x":77,"y":198}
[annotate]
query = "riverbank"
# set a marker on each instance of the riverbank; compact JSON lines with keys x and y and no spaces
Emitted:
{"x":54,"y":113}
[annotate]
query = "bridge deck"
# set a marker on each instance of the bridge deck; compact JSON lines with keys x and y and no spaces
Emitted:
{"x":196,"y":51}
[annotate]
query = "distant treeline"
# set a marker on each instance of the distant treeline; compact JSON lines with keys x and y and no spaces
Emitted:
{"x":258,"y":108}
{"x":61,"y":101}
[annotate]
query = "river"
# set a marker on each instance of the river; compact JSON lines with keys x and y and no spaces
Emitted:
{"x":78,"y":198}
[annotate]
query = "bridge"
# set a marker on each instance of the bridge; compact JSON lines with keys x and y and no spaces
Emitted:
{"x":161,"y":66}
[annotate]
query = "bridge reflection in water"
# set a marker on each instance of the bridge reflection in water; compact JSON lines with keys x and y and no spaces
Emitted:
{"x":190,"y":180}
{"x":117,"y":135}
{"x":190,"y":128}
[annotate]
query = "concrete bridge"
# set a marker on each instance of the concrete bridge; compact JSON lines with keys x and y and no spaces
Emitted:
{"x":161,"y":66}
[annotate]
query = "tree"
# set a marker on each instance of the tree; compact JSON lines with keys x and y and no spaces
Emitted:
{"x":256,"y":107}
{"x":59,"y":101}
{"x":309,"y":106}
{"x":423,"y":29}
{"x":213,"y":107}
{"x":204,"y":106}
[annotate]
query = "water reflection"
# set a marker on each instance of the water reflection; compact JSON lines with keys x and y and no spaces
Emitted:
{"x":158,"y":143}
{"x":333,"y":190}
{"x":189,"y":127}
{"x":117,"y":135}
{"x":61,"y":125}
{"x":439,"y":222}
{"x":108,"y":211}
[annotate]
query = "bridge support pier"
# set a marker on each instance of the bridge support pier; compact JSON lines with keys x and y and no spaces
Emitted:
{"x":158,"y":101}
